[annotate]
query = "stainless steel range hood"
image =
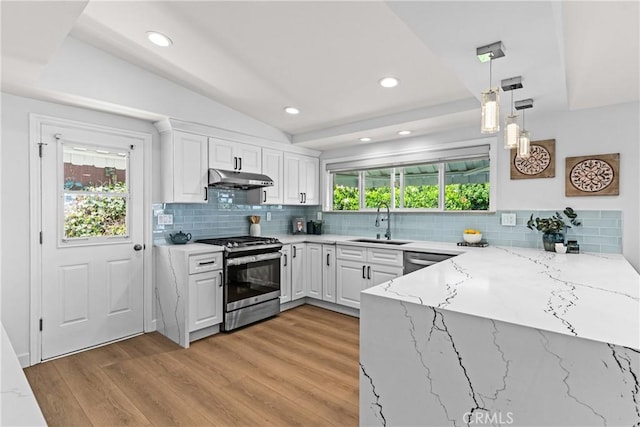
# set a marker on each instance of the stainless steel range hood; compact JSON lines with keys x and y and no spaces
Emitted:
{"x":219,"y":178}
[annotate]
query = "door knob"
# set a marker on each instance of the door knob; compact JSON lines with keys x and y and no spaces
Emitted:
{"x":137,"y":247}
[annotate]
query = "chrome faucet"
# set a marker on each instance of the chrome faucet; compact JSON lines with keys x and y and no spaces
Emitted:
{"x":388,"y":219}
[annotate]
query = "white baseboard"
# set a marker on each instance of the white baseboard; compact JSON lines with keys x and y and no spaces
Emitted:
{"x":292,"y":304}
{"x":24,"y":359}
{"x":354,"y":312}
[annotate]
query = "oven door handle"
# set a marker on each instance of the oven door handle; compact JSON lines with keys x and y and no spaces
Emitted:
{"x":253,"y":258}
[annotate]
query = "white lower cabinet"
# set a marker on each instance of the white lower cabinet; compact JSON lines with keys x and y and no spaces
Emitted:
{"x":329,"y":273}
{"x":205,"y":300}
{"x":359,"y":268}
{"x":285,"y":274}
{"x":205,"y":290}
{"x":308,"y":270}
{"x":314,"y":269}
{"x":350,"y":280}
{"x":298,"y":270}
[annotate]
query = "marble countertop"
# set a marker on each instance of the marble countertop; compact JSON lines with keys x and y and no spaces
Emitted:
{"x":18,"y":406}
{"x":593,"y":296}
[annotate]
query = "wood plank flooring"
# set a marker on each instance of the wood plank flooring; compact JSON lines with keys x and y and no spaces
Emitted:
{"x":299,"y":368}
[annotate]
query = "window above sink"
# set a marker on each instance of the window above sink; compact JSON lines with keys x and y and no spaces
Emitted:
{"x":455,"y":179}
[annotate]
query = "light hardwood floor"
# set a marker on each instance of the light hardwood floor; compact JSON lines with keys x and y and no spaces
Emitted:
{"x":299,"y":368}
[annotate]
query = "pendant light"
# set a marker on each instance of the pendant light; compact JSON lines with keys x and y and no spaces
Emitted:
{"x":524,"y":141}
{"x":490,"y":98}
{"x":512,"y":128}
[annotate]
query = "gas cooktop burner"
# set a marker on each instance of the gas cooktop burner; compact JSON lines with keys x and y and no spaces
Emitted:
{"x":242,"y":242}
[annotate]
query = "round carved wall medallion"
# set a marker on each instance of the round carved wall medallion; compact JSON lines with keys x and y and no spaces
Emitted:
{"x":538,"y":160}
{"x":591,"y":175}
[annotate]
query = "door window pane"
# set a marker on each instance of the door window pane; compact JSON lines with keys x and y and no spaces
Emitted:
{"x":95,"y":194}
{"x":377,"y":187}
{"x":421,"y":187}
{"x":467,"y":185}
{"x":94,"y":216}
{"x":88,"y":169}
{"x":346,"y":191}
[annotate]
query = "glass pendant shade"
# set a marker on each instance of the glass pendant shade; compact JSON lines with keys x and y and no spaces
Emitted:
{"x":490,"y":111}
{"x":524,"y":144}
{"x":512,"y":132}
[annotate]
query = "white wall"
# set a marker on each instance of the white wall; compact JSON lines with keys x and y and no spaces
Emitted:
{"x":16,"y":235}
{"x":614,"y":129}
{"x":85,"y":73}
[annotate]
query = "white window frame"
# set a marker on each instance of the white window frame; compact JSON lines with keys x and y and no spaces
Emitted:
{"x":432,"y":154}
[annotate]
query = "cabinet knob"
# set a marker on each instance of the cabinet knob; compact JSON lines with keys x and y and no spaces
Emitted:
{"x":137,"y":247}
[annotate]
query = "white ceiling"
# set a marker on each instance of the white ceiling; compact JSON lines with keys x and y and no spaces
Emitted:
{"x":325,"y":57}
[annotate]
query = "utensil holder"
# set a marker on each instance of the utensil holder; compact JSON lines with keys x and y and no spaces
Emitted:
{"x":254,"y":230}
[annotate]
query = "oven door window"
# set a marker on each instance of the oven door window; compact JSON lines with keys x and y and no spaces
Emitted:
{"x":252,"y":283}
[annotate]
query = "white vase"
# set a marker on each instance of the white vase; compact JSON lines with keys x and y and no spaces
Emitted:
{"x":254,"y":230}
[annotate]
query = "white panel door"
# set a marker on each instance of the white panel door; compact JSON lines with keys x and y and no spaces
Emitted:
{"x":310,"y":177}
{"x":292,"y":191}
{"x":250,"y":158}
{"x":285,"y":274}
{"x":273,"y":167}
{"x":221,"y":154}
{"x":350,"y":280}
{"x":190,"y":168}
{"x":329,"y":273}
{"x":314,"y":270}
{"x":205,"y":299}
{"x":92,"y":237}
{"x":298,"y":270}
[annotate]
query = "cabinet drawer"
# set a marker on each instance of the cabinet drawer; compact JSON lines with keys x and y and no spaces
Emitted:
{"x":353,"y":253}
{"x":385,"y":256}
{"x":205,"y":262}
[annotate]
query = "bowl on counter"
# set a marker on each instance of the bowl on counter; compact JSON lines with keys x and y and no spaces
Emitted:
{"x":472,"y":238}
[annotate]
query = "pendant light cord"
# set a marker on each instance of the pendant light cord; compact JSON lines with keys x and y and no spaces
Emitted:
{"x":523,"y":126}
{"x":490,"y":70}
{"x":512,"y":102}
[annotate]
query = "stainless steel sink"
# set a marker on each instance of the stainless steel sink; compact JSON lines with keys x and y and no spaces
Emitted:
{"x":384,"y":242}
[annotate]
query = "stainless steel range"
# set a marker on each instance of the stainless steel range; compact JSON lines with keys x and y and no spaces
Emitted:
{"x":251,"y":279}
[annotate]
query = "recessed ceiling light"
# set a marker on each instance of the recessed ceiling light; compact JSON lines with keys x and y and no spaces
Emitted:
{"x":159,"y":39}
{"x":389,"y":82}
{"x":365,"y":139}
{"x":291,"y":110}
{"x":404,"y":132}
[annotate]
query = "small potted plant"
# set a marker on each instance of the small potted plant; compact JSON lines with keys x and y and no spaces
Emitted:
{"x":554,"y":228}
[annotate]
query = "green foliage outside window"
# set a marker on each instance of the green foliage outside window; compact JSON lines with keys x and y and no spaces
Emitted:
{"x":457,"y":197}
{"x":96,"y":215}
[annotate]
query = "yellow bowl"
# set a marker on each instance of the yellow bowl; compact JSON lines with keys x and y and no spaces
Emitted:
{"x":472,"y":238}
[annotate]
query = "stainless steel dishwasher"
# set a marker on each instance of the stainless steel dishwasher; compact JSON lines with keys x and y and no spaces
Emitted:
{"x":416,"y":260}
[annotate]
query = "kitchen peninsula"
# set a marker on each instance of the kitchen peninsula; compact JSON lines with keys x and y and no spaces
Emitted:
{"x":500,"y":336}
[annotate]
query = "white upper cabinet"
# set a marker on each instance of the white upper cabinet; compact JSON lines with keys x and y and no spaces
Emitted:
{"x":234,"y":156}
{"x":184,"y":167}
{"x":273,"y":167}
{"x":301,"y":178}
